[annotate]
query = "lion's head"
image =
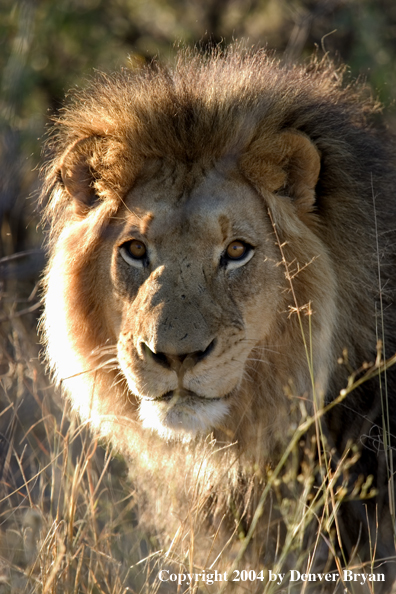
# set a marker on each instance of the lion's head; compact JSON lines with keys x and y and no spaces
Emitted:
{"x":186,"y":285}
{"x":213,"y":251}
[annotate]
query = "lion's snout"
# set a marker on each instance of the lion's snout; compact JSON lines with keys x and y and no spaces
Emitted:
{"x":180,"y":363}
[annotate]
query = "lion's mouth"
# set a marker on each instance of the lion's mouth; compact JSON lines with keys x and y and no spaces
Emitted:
{"x":182,"y":393}
{"x":183,"y":412}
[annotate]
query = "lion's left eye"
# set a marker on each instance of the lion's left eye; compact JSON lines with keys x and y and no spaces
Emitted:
{"x":237,"y":254}
{"x":134,"y":253}
{"x":236,"y":250}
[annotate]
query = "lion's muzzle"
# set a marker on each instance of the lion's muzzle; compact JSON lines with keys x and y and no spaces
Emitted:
{"x":179,"y":363}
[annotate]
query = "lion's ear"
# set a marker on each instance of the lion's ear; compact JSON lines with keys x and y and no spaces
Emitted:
{"x":301,"y":161}
{"x":291,"y":163}
{"x":78,"y":175}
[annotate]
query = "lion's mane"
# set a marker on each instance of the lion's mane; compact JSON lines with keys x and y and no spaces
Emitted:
{"x":334,"y":236}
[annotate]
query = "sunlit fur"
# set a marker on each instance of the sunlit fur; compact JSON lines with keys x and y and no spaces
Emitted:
{"x":303,"y":151}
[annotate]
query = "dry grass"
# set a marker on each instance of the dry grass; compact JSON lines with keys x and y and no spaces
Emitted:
{"x":70,"y":518}
{"x":68,"y":515}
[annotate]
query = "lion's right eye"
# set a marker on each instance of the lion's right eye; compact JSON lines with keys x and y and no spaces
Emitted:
{"x":134,"y":252}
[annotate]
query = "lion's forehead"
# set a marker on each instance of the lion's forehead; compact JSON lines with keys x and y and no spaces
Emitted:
{"x":213,"y":209}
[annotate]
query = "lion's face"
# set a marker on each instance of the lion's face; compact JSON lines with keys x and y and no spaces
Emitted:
{"x":194,"y":286}
{"x":169,"y":303}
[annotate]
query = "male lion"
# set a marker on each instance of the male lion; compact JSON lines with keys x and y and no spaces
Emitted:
{"x":221,"y":255}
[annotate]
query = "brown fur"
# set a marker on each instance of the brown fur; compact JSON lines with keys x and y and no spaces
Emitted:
{"x":315,"y":180}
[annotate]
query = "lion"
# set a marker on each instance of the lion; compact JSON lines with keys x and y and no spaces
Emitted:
{"x":221,"y":257}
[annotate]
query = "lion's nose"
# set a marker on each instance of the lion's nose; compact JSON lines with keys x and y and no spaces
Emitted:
{"x":177,"y":362}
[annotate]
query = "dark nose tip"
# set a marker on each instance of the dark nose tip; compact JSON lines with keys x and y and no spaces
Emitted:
{"x":176,"y":362}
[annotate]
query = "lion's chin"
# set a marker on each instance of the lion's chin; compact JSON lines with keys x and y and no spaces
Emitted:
{"x":183,"y":417}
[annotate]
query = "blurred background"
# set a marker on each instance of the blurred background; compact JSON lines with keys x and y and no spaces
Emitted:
{"x":46,"y":48}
